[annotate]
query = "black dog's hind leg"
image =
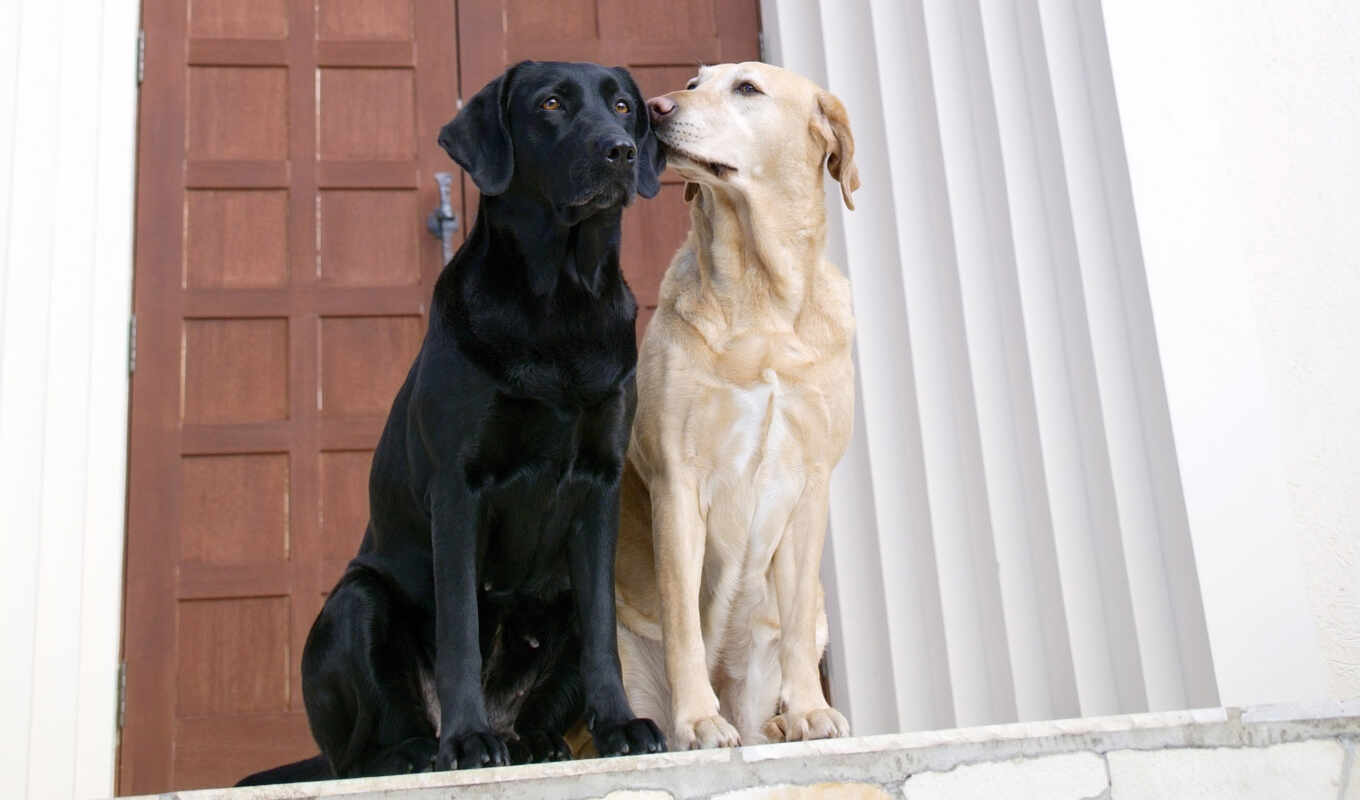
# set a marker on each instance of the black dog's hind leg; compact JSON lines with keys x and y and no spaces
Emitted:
{"x":557,"y":700}
{"x":361,"y":681}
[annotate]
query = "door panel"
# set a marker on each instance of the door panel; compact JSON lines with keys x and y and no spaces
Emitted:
{"x":283,"y":271}
{"x":286,"y":153}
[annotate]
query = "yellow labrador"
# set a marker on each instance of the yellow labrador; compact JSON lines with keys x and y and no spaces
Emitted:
{"x":745,"y":403}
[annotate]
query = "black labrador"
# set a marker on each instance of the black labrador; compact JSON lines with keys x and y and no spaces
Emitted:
{"x":476,"y":624}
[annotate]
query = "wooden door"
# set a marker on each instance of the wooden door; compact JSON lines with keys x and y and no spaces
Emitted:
{"x":282,"y":272}
{"x":285,"y":169}
{"x":662,"y":42}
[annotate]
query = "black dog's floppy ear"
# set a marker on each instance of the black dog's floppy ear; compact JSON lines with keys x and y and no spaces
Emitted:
{"x":651,"y":161}
{"x":478,"y":138}
{"x":651,"y":154}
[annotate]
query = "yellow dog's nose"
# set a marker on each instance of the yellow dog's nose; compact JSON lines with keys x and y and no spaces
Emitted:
{"x":660,"y":107}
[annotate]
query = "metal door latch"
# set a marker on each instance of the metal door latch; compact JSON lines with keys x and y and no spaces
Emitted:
{"x":442,"y":223}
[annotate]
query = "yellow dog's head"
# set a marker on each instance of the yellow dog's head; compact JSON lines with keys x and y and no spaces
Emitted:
{"x":738,"y":124}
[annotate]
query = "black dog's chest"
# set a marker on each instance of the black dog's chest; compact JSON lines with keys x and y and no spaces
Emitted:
{"x":533,"y":465}
{"x":526,"y":441}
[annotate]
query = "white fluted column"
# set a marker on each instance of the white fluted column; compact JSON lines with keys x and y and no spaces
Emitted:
{"x":1008,"y":532}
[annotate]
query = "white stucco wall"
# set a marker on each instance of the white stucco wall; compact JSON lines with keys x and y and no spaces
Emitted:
{"x":1242,"y":124}
{"x":1301,"y":219}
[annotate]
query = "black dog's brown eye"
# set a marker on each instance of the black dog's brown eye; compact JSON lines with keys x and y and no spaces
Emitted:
{"x":621,"y":106}
{"x":551,"y":104}
{"x":746,"y":87}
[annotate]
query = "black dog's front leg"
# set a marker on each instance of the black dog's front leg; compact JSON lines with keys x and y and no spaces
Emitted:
{"x":591,"y":553}
{"x":465,"y":737}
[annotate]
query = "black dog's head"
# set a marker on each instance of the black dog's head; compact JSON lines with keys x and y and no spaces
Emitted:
{"x":576,"y":134}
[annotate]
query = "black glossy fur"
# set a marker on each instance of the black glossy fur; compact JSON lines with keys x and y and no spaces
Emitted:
{"x":485,"y":577}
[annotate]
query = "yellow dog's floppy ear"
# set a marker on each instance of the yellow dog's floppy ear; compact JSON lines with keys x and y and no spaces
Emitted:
{"x":834,"y":126}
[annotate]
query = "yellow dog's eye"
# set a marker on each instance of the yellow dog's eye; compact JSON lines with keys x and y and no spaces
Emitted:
{"x":689,"y":87}
{"x":621,"y":106}
{"x":746,"y":87}
{"x":551,"y":104}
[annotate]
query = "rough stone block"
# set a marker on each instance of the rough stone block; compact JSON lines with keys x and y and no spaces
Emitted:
{"x":1071,"y":776}
{"x":1299,"y":771}
{"x":1353,"y":783}
{"x":817,"y":791}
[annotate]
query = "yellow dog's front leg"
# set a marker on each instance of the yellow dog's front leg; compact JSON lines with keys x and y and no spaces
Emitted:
{"x":803,"y":710}
{"x":679,"y":540}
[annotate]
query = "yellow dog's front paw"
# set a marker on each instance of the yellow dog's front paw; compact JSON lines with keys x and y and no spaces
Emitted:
{"x":795,"y":726}
{"x":704,"y":733}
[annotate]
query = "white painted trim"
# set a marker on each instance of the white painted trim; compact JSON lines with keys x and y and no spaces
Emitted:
{"x":24,"y":365}
{"x":106,"y":494}
{"x":68,"y":142}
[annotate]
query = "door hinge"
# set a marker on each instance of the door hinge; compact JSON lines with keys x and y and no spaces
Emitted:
{"x":132,"y":344}
{"x":122,"y":693}
{"x":141,"y":55}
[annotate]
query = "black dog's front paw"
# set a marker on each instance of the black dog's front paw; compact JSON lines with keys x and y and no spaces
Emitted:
{"x":471,"y":750}
{"x":533,"y":747}
{"x":634,"y":737}
{"x":412,"y":755}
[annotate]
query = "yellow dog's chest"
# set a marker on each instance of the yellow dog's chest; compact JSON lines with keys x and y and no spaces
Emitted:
{"x":755,"y":442}
{"x":761,"y":424}
{"x":759,"y":408}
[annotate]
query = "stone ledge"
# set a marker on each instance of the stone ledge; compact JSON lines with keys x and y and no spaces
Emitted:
{"x":1213,"y":753}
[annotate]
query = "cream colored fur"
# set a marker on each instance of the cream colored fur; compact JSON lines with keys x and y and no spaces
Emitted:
{"x":745,"y":403}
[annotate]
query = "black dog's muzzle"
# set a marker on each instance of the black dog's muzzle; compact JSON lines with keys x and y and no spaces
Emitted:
{"x":611,"y":175}
{"x":619,"y":152}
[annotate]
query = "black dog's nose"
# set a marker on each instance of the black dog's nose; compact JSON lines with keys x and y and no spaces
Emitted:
{"x":619,"y":151}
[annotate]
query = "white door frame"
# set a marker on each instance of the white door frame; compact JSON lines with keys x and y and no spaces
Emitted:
{"x":68,"y":106}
